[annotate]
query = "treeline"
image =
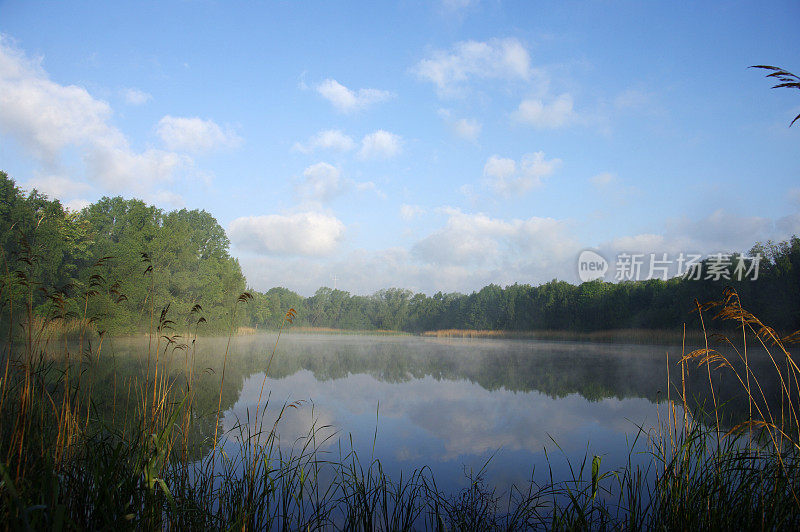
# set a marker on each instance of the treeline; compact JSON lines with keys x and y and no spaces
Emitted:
{"x":130,"y":266}
{"x":774,"y":297}
{"x":117,"y":264}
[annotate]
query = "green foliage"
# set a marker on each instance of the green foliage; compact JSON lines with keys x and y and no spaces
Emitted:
{"x":133,"y":258}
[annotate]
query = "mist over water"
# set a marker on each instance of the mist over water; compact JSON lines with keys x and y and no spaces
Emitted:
{"x":526,"y":407}
{"x":454,"y":405}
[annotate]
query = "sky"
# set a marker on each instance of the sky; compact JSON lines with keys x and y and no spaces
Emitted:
{"x":433,"y":146}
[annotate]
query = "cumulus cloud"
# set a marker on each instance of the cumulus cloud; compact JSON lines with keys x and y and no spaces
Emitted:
{"x":77,"y":205}
{"x":465,"y":128}
{"x":470,"y":251}
{"x":136,"y":97}
{"x":546,"y":115}
{"x":380,"y":144}
{"x":321,"y":182}
{"x":346,"y":100}
{"x":306,"y":233}
{"x":194,"y":135}
{"x":169,"y":197}
{"x":496,"y":58}
{"x":44,"y":116}
{"x":467,"y":253}
{"x":329,"y":139}
{"x":480,"y":240}
{"x":58,"y":186}
{"x":47,"y":118}
{"x":508,"y":179}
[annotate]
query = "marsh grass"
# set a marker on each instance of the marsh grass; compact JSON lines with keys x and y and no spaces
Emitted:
{"x":134,"y":460}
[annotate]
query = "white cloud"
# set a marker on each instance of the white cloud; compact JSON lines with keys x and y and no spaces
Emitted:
{"x":409,"y":212}
{"x":370,"y":186}
{"x":480,"y":240}
{"x":499,"y":167}
{"x":136,"y":97}
{"x":472,"y":250}
{"x":321,"y":182}
{"x":119,"y":168}
{"x":168,"y":197}
{"x":194,"y":135}
{"x":44,"y":116}
{"x":508,"y":179}
{"x":329,"y":139}
{"x":58,"y":186}
{"x":603,"y":180}
{"x":47,"y":118}
{"x":307,"y":233}
{"x":380,"y":144}
{"x":554,"y":114}
{"x":496,"y":58}
{"x":346,"y":100}
{"x":77,"y":205}
{"x":467,"y":128}
{"x":467,"y":253}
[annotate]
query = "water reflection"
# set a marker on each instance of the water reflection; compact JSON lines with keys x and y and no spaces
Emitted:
{"x":448,"y":405}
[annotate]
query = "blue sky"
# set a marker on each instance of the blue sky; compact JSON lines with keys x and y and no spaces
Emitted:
{"x":424,"y":145}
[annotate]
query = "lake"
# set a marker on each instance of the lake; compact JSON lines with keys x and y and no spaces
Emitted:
{"x":511,"y":409}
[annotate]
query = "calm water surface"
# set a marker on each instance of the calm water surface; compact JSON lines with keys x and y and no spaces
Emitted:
{"x":454,"y":405}
{"x":528,"y":408}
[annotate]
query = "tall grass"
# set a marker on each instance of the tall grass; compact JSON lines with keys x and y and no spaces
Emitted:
{"x":71,"y":461}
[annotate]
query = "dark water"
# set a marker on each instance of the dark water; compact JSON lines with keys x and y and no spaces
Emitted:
{"x":529,"y":409}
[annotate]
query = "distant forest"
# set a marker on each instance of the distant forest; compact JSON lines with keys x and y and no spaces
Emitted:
{"x":127,"y":266}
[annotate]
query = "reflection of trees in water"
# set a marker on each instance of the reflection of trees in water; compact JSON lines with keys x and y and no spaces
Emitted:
{"x":593,"y":371}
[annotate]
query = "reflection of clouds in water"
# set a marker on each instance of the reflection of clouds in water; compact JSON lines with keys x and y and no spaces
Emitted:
{"x":294,"y":425}
{"x":439,"y":420}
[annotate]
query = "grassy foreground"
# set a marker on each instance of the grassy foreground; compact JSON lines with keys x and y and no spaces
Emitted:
{"x":68,"y":461}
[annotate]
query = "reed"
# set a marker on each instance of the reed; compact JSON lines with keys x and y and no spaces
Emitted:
{"x":132,"y":460}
